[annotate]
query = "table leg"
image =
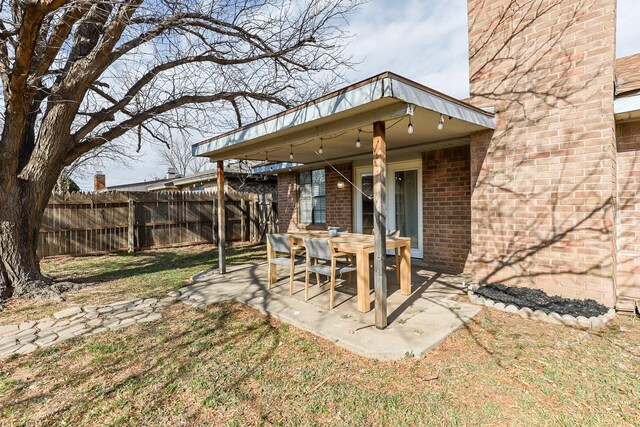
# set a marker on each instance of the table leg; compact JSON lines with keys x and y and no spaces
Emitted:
{"x":405,"y":270}
{"x":362,"y":264}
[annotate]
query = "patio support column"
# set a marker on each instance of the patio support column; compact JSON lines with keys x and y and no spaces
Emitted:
{"x":222,"y":267}
{"x":379,"y":223}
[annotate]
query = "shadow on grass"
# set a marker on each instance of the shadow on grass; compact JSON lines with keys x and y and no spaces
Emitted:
{"x":137,"y":374}
{"x":124,"y":265}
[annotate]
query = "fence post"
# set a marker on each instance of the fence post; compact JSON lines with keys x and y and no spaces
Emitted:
{"x":263,"y":219}
{"x":243,"y":222}
{"x":131,"y":235}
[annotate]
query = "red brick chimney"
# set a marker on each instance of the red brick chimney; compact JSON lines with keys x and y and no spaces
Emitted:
{"x":99,"y":181}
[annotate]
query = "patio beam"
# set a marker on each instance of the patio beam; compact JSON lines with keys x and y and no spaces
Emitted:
{"x":379,"y":223}
{"x":222,"y":261}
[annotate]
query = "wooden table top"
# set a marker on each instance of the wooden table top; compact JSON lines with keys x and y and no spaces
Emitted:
{"x":351,"y":241}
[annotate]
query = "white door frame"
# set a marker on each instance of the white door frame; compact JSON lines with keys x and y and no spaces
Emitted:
{"x":392,"y":168}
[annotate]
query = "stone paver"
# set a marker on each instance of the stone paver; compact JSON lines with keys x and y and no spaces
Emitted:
{"x":67,"y":312}
{"x":26,"y":349}
{"x":27,"y":325}
{"x":5,"y":329}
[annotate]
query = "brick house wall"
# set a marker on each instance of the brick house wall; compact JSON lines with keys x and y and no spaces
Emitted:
{"x":628,"y":220}
{"x":446,"y":202}
{"x":545,"y":182}
{"x":338,"y":201}
{"x":288,"y":202}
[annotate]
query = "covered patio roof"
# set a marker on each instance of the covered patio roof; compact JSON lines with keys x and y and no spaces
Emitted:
{"x":326,"y":130}
{"x":334,"y":121}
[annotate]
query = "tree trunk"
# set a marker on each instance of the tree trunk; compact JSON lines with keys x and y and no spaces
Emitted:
{"x":20,"y":275}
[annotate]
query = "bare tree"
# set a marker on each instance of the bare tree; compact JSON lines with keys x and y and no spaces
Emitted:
{"x":79,"y":74}
{"x":180,"y":157}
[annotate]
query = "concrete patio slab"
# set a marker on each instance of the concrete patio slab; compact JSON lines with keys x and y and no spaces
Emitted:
{"x":417,"y":323}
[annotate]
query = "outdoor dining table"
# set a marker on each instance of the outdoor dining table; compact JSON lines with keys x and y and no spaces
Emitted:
{"x":361,"y":245}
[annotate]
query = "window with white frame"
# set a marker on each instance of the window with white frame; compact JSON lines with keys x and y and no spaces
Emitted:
{"x":311,"y":197}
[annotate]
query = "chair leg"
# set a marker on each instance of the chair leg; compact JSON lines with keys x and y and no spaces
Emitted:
{"x":306,"y":284}
{"x":315,"y":262}
{"x":269,"y":275}
{"x":291,"y":272}
{"x":333,"y":287}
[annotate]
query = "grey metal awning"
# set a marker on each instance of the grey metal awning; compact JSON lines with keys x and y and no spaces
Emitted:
{"x":334,"y":120}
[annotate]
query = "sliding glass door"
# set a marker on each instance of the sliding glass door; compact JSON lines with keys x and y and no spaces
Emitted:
{"x":404,"y":201}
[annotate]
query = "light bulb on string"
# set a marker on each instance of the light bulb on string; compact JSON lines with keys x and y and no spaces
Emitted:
{"x":320,"y":150}
{"x":291,"y":153}
{"x":410,"y":127}
{"x":441,"y":122}
{"x":358,"y":140}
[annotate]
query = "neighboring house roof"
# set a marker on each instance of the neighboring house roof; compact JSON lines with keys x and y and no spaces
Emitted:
{"x":232,"y":170}
{"x":628,"y":74}
{"x":136,"y":186}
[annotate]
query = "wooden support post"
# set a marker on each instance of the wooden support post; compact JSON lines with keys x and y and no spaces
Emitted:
{"x":131,"y":231}
{"x":379,"y":223}
{"x":222,"y":267}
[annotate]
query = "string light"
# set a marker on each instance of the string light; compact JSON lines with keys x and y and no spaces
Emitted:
{"x":320,"y":150}
{"x":358,"y":140}
{"x":410,"y":127}
{"x":266,"y":156}
{"x":291,"y":153}
{"x":441,"y":122}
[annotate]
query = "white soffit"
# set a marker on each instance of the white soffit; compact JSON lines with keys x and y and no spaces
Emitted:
{"x":627,"y":107}
{"x":381,"y":98}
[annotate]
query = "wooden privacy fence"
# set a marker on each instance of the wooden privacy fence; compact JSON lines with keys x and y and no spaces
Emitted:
{"x":86,"y":223}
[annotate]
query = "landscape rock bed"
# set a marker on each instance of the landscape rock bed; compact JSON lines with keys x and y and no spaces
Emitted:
{"x":537,"y":299}
{"x":536,"y":304}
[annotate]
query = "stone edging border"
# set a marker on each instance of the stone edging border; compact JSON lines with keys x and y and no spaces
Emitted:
{"x":553,"y":317}
{"x":28,"y":336}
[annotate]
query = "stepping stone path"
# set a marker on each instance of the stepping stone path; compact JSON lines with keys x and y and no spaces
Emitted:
{"x":27,"y":337}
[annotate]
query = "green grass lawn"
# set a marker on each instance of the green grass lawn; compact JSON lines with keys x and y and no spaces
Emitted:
{"x":227,"y":364}
{"x":123,"y":276}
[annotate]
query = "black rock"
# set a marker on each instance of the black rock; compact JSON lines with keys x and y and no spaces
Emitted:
{"x":536,"y":299}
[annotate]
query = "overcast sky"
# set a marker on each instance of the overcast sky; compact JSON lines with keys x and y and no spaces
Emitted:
{"x":425,"y":41}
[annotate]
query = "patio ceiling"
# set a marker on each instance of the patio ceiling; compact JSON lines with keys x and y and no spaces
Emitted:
{"x":334,"y":120}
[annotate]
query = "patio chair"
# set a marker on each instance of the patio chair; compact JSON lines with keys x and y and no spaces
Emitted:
{"x":323,"y":250}
{"x":349,"y":258}
{"x":280,"y":243}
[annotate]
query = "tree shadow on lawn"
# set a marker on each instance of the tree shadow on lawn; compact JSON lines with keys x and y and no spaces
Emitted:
{"x":142,"y":372}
